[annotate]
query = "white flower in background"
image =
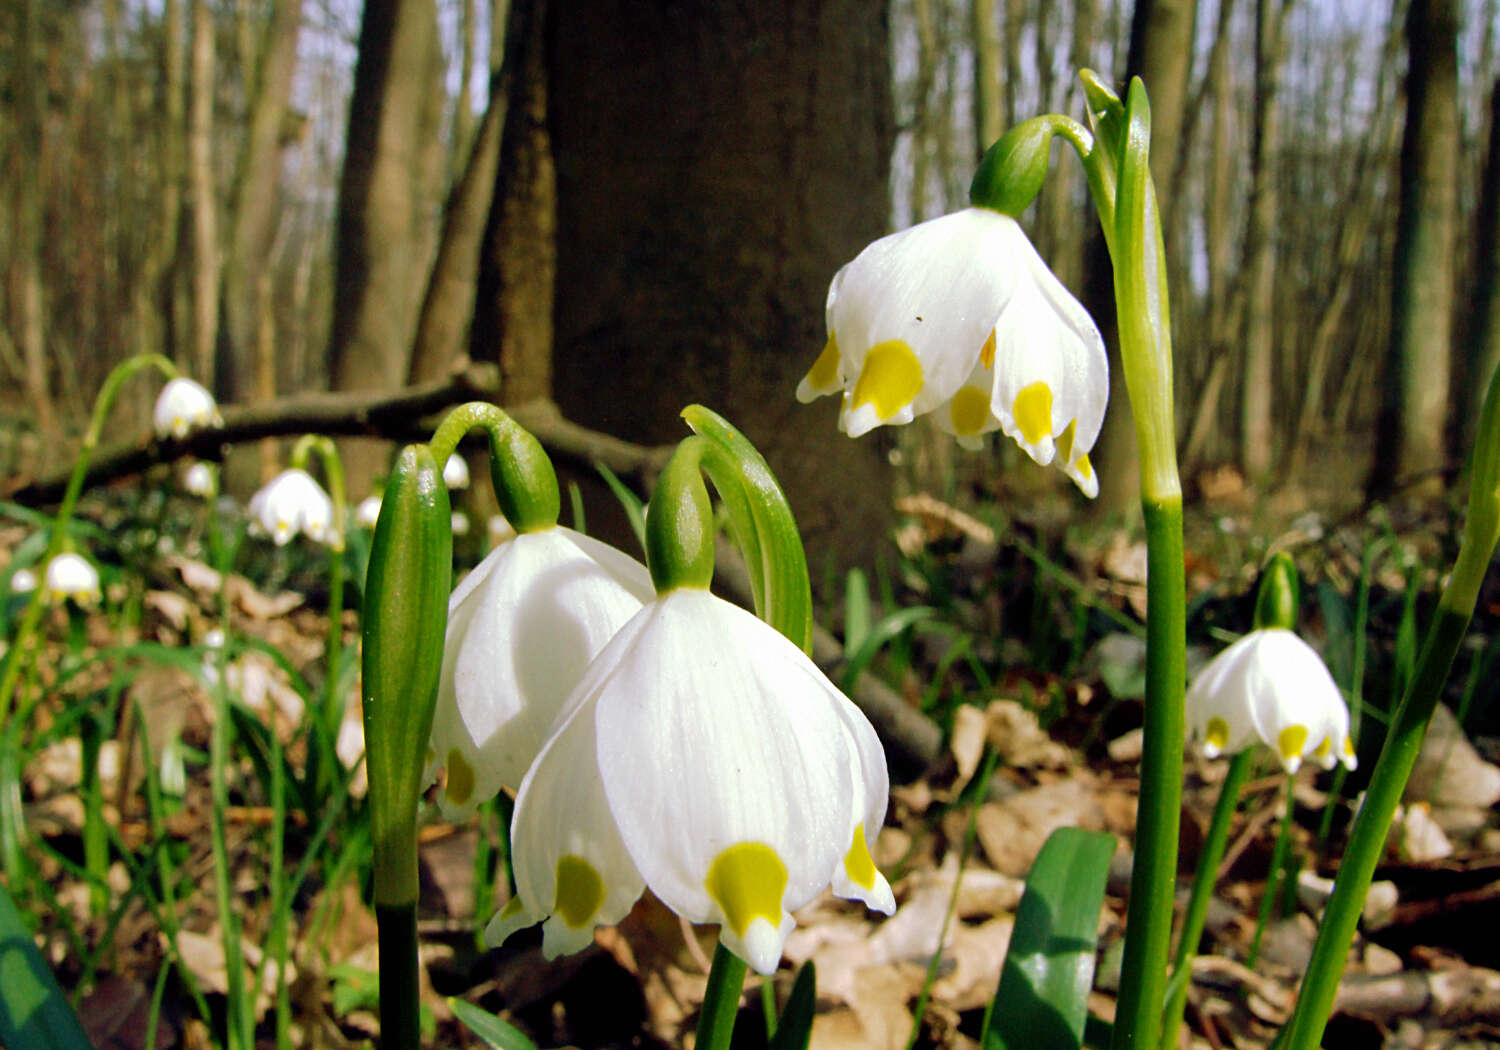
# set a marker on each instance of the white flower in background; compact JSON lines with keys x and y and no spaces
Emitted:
{"x":960,"y":317}
{"x":1272,"y":687}
{"x":368,"y":511}
{"x":499,"y":529}
{"x":705,"y":757}
{"x":198,"y":480}
{"x":521,"y":629}
{"x":73,"y":576}
{"x":456,"y":472}
{"x":459,"y":523}
{"x":290,"y":503}
{"x":184,"y":406}
{"x":22,"y":581}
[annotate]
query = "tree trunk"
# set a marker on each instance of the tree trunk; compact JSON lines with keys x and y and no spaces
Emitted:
{"x":1484,"y":338}
{"x":374,"y":309}
{"x":518,"y":262}
{"x":1412,"y":430}
{"x":205,"y":221}
{"x":252,"y":210}
{"x":988,"y":120}
{"x":697,"y":270}
{"x":1257,"y":436}
{"x":25,"y":162}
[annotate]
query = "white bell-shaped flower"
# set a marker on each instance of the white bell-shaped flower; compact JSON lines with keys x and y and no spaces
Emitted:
{"x":458,"y":523}
{"x":198,"y":480}
{"x":71,"y":575}
{"x":368,"y":511}
{"x":290,"y":503}
{"x":456,"y":472}
{"x":1272,"y":687}
{"x":22,"y":581}
{"x":522,"y":627}
{"x":960,"y":317}
{"x":184,"y":406}
{"x":705,"y":757}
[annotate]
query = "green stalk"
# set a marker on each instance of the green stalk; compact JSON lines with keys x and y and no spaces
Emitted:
{"x":102,"y":404}
{"x":721,"y":1000}
{"x":400,"y":1010}
{"x":1274,"y":877}
{"x":1367,"y":838}
{"x":1202,"y":892}
{"x":331,"y":712}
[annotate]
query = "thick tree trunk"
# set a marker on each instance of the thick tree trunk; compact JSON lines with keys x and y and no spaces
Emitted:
{"x":1257,"y":436}
{"x":252,"y":210}
{"x":518,"y":262}
{"x":697,"y":269}
{"x":1412,"y":431}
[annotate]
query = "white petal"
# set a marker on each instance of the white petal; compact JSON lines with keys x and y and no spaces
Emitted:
{"x":522,"y":629}
{"x":743,"y":743}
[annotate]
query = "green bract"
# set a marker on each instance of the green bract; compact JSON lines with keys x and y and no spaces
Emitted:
{"x":1277,"y":600}
{"x":405,"y":617}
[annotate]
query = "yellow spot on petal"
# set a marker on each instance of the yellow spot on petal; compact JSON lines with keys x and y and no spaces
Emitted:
{"x":1325,"y":748}
{"x":1083,"y":466}
{"x":580,"y":891}
{"x":987,"y":352}
{"x":824,"y":374}
{"x":1216,"y":735}
{"x":747,"y":881}
{"x":858,"y":864}
{"x":970,"y":410}
{"x":460,"y":778}
{"x":1033,"y":411}
{"x":1065,"y":442}
{"x":890,"y":380}
{"x":1291,"y":742}
{"x":512,"y":908}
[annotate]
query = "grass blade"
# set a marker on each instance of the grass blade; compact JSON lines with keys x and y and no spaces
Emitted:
{"x":34,"y":1013}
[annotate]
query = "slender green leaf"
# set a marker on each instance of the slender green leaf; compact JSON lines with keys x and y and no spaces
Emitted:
{"x":879,"y":633}
{"x":635,"y":510}
{"x":497,"y":1033}
{"x":794,"y":1030}
{"x":34,"y":1013}
{"x":1042,"y":1001}
{"x":856,"y":611}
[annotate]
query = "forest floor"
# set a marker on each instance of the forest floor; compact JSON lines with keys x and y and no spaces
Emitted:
{"x":1060,"y":709}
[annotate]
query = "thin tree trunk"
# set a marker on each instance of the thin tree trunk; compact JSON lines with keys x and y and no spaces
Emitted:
{"x":252,"y":211}
{"x":518,"y":262}
{"x":1256,"y":432}
{"x":25,"y":162}
{"x":160,"y":279}
{"x":988,"y":119}
{"x":1015,"y":20}
{"x":1412,"y":431}
{"x":463,"y":107}
{"x":205,"y":229}
{"x":1485,"y":336}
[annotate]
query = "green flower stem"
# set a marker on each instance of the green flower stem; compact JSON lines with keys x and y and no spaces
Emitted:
{"x":1153,"y":878}
{"x":1274,"y":876}
{"x":721,"y":1000}
{"x":333,"y":469}
{"x":525,"y":483}
{"x":400,"y":1005}
{"x":1367,"y":838}
{"x":1209,"y":859}
{"x":102,"y":404}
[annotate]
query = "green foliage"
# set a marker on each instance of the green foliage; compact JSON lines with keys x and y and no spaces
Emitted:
{"x":496,"y":1033}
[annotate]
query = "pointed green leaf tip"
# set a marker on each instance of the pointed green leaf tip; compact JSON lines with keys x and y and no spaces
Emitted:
{"x":404,"y":621}
{"x":1276,"y":602}
{"x":1013,"y":169}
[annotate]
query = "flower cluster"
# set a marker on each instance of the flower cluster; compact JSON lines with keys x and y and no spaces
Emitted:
{"x":182,"y":407}
{"x":959,"y":317}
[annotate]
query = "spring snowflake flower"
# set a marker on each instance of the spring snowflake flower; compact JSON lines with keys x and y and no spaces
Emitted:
{"x":1272,"y":687}
{"x":456,"y":472}
{"x":293,"y":502}
{"x":22,"y":581}
{"x":458,"y":523}
{"x":705,"y":757}
{"x":71,"y":575}
{"x":184,"y":406}
{"x":522,"y":627}
{"x":368,"y":511}
{"x":961,"y":318}
{"x":198,"y":480}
